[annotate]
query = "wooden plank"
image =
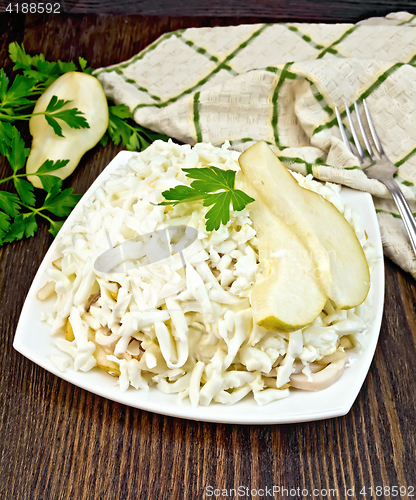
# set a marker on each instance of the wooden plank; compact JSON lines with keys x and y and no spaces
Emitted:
{"x":299,"y":10}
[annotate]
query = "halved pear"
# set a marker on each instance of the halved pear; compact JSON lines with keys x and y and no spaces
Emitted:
{"x":84,"y":92}
{"x":286,"y":296}
{"x":339,"y":258}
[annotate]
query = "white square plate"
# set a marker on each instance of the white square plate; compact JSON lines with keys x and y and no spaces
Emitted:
{"x":33,"y":340}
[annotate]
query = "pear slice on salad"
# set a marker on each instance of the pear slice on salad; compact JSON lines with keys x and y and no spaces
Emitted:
{"x":339,"y":259}
{"x":286,"y":295}
{"x":85,"y":93}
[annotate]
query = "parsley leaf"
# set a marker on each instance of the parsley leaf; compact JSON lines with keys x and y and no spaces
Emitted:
{"x":83,"y":65}
{"x":12,"y":146}
{"x":23,"y":225}
{"x":18,"y":55}
{"x":4,"y":83}
{"x":18,"y":153}
{"x":72,"y":117}
{"x":16,"y":230}
{"x":180,"y":194}
{"x":216,"y":188}
{"x":30,"y":225}
{"x":25,"y":190}
{"x":122,"y":128}
{"x":55,"y":104}
{"x":9,"y":202}
{"x":240,"y":200}
{"x":48,"y":181}
{"x":55,"y":226}
{"x":17,"y":94}
{"x":43,"y":72}
{"x":4,"y":225}
{"x":220,"y":211}
{"x":55,"y":125}
{"x":121,"y":111}
{"x":50,"y":166}
{"x":6,"y":133}
{"x":216,"y":177}
{"x":59,"y":202}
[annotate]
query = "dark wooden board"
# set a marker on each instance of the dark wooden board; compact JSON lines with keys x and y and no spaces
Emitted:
{"x":298,"y":10}
{"x":60,"y":442}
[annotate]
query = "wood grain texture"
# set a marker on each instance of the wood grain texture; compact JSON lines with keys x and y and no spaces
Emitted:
{"x":298,"y":10}
{"x":59,"y":442}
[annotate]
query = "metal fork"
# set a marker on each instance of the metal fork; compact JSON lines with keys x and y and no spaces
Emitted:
{"x":380,"y":168}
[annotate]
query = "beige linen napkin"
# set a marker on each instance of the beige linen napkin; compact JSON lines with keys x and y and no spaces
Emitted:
{"x":280,"y":83}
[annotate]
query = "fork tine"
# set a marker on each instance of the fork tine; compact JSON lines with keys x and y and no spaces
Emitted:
{"x":342,"y":130}
{"x":376,"y":140}
{"x":363,"y":132}
{"x":354,"y":134}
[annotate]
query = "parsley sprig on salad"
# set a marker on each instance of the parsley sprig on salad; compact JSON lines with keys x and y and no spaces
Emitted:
{"x":216,"y":188}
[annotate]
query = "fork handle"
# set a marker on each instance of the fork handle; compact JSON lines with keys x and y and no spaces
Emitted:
{"x":404,"y":209}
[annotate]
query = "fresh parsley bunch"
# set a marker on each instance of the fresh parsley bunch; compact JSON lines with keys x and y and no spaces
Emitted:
{"x":216,"y":188}
{"x":42,"y":72}
{"x":19,"y":211}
